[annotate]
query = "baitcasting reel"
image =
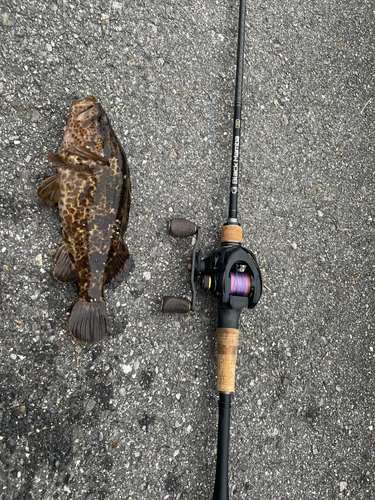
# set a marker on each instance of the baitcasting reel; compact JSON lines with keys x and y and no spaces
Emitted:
{"x":231,"y":273}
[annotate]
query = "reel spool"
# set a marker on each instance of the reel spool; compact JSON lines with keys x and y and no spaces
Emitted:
{"x":240,"y":284}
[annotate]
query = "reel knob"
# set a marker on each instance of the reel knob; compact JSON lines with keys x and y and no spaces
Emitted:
{"x":182,"y":228}
{"x":176,"y":305}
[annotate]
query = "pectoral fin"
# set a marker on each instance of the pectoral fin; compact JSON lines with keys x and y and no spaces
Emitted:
{"x":56,"y":159}
{"x":120,"y":265}
{"x":49,"y":190}
{"x":64,"y":270}
{"x":66,"y":162}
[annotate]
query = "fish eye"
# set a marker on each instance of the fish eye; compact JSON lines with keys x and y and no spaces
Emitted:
{"x":101,"y":119}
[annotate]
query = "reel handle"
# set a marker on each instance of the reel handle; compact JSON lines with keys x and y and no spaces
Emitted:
{"x":176,"y":305}
{"x":182,"y":228}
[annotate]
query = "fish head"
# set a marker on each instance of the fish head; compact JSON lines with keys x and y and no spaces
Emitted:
{"x":88,"y":133}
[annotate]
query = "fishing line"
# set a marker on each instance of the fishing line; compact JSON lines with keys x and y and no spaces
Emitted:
{"x":239,"y":284}
{"x":212,"y":137}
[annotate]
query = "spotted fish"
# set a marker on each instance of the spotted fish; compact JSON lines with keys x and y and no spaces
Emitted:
{"x":92,"y":188}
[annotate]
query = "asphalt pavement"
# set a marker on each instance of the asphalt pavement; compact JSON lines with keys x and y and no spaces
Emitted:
{"x":136,"y":416}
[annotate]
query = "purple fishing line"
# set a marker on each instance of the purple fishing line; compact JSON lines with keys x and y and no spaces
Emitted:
{"x":240,"y":284}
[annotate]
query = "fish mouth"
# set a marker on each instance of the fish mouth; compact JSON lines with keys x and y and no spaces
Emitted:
{"x":85,"y":114}
{"x":83,"y":109}
{"x":90,"y":106}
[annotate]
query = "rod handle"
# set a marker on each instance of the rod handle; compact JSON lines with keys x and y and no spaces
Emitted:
{"x":175,"y":305}
{"x":227,"y":346}
{"x":182,"y":228}
{"x":231,"y":234}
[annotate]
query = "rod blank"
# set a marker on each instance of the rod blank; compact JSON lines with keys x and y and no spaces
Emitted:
{"x":235,"y":166}
{"x":221,"y":491}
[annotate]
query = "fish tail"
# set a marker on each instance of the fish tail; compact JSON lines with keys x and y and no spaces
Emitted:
{"x":88,"y":321}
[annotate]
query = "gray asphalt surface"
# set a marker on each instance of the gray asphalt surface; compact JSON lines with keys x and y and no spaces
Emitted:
{"x":136,"y":417}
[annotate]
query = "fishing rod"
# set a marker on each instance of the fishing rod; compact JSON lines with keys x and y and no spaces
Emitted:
{"x":232,"y":274}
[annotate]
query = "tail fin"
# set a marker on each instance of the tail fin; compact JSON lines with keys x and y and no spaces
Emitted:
{"x":88,"y":321}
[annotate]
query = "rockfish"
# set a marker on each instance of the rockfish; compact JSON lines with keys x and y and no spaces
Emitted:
{"x":92,"y":188}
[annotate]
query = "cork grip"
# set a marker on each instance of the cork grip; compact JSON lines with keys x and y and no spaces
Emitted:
{"x":231,"y":233}
{"x":227,"y":343}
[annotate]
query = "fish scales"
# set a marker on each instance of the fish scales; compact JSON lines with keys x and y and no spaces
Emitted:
{"x":92,"y":188}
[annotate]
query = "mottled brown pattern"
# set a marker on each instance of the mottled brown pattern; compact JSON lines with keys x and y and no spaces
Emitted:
{"x":94,"y":205}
